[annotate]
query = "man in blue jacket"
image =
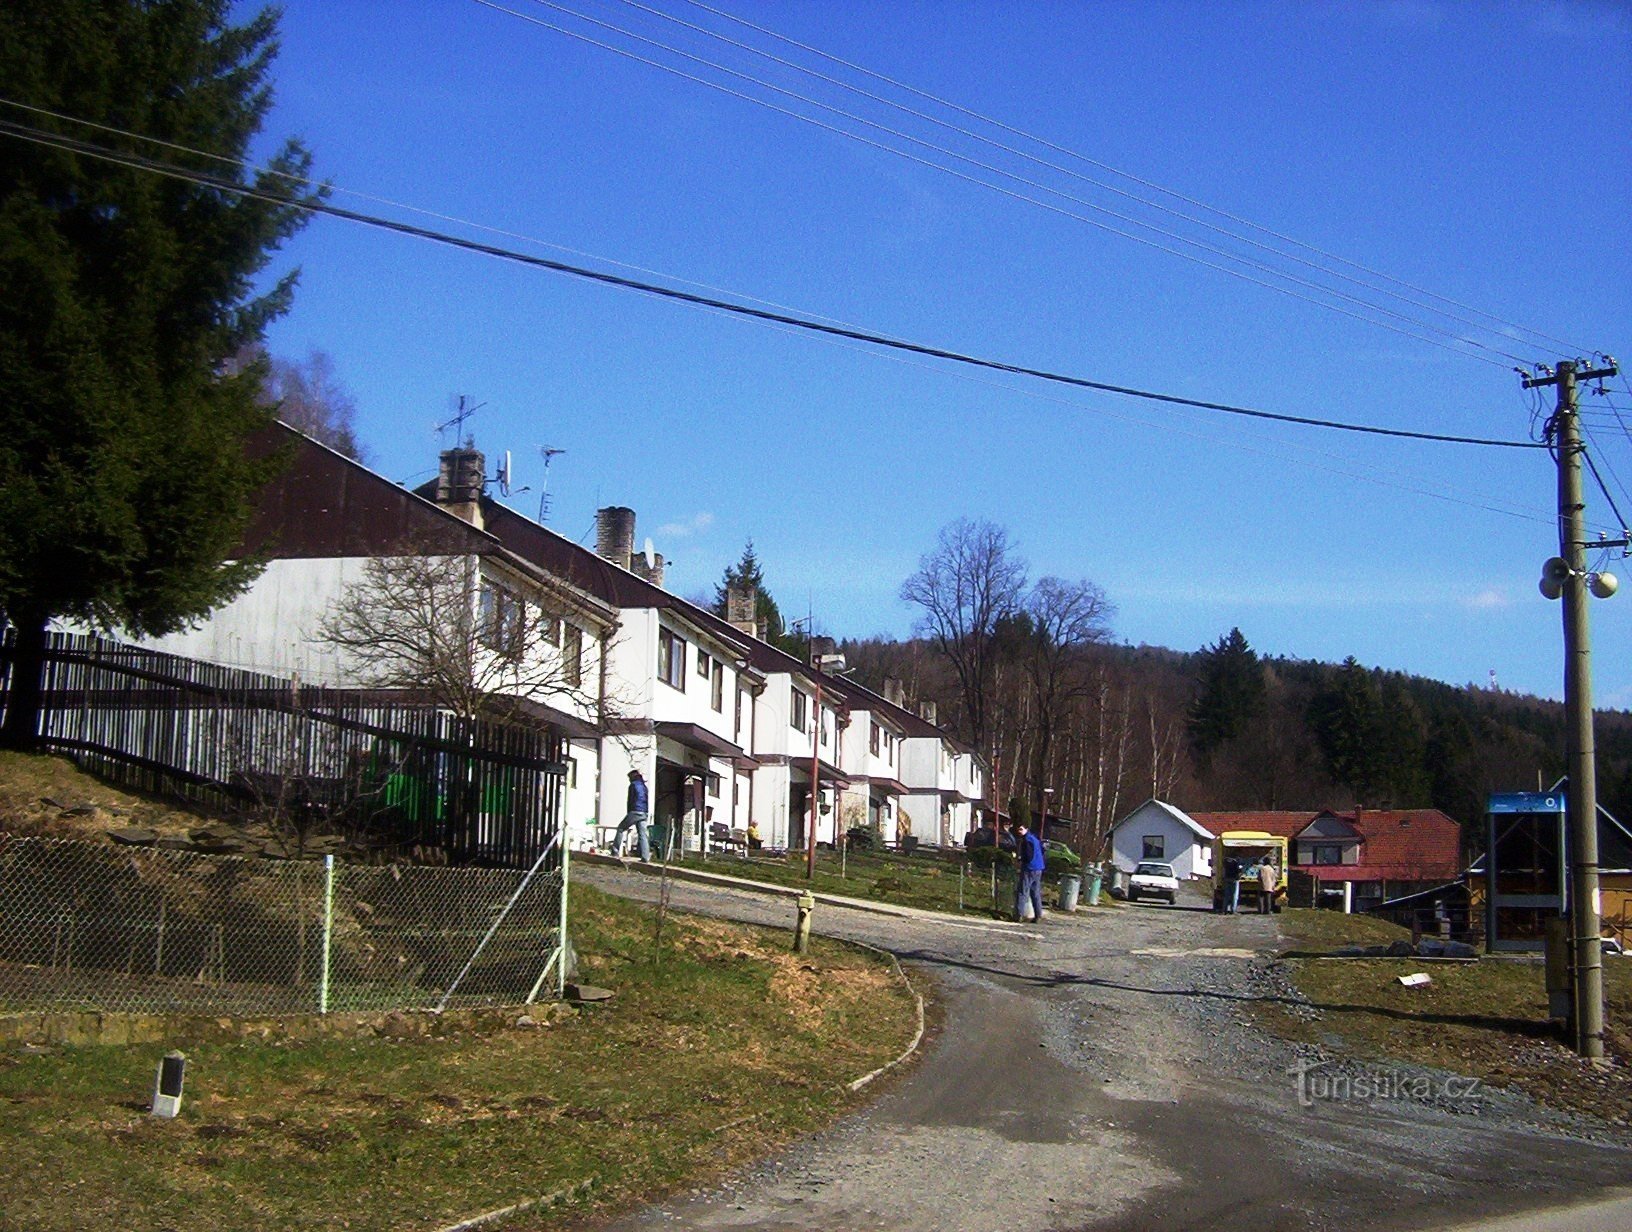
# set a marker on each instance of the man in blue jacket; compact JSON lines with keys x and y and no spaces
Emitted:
{"x":635,"y":817}
{"x":1030,"y":862}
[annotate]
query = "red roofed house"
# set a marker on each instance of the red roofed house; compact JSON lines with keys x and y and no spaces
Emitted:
{"x":1361,"y":859}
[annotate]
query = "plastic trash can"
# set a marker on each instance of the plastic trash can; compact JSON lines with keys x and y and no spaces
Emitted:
{"x":1070,"y":887}
{"x":1096,"y":878}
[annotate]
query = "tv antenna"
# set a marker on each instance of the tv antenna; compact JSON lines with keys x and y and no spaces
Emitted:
{"x":463,"y":410}
{"x":547,"y":453}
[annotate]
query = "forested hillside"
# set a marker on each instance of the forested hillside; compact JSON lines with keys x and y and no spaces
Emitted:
{"x":1223,"y":728}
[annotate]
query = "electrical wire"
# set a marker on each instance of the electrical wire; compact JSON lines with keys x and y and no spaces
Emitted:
{"x":1104,"y":186}
{"x":1456,"y":349}
{"x":1592,"y":466}
{"x":1383,"y":477}
{"x":139,"y":162}
{"x":311,"y":183}
{"x":1129,"y":176}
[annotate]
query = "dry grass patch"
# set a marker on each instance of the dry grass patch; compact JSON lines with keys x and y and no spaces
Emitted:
{"x":713,"y":1050}
{"x":1487,"y":1019}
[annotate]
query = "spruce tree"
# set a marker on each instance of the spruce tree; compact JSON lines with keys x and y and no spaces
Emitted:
{"x":1229,"y":692}
{"x":124,"y":479}
{"x":745,"y":573}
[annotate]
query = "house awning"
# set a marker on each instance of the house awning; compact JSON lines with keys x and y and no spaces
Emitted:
{"x":827,"y":771}
{"x":894,"y":787}
{"x":695,"y":736}
{"x":569,"y":724}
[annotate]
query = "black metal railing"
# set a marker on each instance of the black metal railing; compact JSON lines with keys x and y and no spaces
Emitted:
{"x":381,"y":766}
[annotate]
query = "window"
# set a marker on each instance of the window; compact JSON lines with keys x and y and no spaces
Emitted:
{"x":714,"y":786}
{"x":499,"y":619}
{"x":1155,"y":847}
{"x":799,"y":711}
{"x":705,"y":664}
{"x":872,"y":740}
{"x":572,"y":655}
{"x":1326,"y":853}
{"x":716,"y":696}
{"x":821,"y":723}
{"x":671,"y":659}
{"x":550,"y":628}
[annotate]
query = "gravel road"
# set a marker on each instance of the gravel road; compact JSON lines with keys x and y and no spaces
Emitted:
{"x":1101,"y":1071}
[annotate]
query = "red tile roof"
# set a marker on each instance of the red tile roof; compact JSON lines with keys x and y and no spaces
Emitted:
{"x":1396,"y":844}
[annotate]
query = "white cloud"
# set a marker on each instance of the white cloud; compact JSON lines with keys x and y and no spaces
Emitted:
{"x":1488,"y":599}
{"x":694,"y":525}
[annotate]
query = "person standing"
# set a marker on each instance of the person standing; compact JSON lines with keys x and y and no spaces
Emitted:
{"x":638,"y":810}
{"x":1029,"y":864}
{"x":1269,"y":877}
{"x":1232,"y":885}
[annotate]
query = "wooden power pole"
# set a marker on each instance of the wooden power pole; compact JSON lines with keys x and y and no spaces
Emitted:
{"x":1568,"y":574}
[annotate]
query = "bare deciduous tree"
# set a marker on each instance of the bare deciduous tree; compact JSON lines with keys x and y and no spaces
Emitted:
{"x":431,"y":624}
{"x":1065,"y":619}
{"x":964,"y":586}
{"x":307,"y":394}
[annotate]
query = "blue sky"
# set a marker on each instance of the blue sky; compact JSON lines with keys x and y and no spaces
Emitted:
{"x":1476,"y":151}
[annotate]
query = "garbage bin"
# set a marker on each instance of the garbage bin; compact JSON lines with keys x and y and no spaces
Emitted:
{"x":1096,"y":878}
{"x":1070,"y":887}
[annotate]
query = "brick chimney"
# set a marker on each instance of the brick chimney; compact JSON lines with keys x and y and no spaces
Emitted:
{"x":653,"y":572}
{"x":895,"y":691}
{"x":742,"y":610}
{"x":615,"y":534}
{"x":927,"y":711}
{"x":459,"y":482}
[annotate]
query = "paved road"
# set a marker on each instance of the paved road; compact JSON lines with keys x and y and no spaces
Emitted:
{"x":1102,"y":1073}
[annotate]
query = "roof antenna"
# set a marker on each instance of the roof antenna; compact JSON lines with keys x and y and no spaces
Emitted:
{"x":544,"y":488}
{"x":463,"y":410}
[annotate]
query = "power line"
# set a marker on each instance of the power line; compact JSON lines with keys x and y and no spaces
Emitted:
{"x":1456,"y":349}
{"x":1006,"y":148}
{"x":139,"y":162}
{"x":309,"y":182}
{"x":1102,"y":166}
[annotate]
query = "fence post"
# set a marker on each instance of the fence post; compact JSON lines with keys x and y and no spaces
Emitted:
{"x":561,"y":936}
{"x":328,"y":933}
{"x":494,"y":927}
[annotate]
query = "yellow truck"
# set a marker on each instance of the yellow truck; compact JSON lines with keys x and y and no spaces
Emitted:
{"x":1241,"y":853}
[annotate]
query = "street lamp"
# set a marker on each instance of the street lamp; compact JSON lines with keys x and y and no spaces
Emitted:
{"x":822,"y":663}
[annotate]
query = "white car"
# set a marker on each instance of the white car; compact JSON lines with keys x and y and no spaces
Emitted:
{"x":1152,"y":880}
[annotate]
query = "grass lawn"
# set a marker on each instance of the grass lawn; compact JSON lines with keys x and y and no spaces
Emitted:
{"x":1487,"y":1019}
{"x":922,"y":880}
{"x":725,"y":1046}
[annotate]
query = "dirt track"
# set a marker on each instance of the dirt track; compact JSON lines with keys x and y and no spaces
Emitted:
{"x":1102,"y":1072}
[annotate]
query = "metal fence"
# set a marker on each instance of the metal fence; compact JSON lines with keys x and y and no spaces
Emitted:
{"x":380,"y":765}
{"x":87,"y":926}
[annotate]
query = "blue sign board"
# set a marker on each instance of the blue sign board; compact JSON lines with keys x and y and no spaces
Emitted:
{"x":1526,"y":802}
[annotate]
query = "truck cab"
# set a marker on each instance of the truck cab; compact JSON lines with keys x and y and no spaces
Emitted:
{"x":1238,"y":855}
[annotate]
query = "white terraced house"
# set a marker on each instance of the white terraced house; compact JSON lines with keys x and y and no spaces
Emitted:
{"x":727,"y":729}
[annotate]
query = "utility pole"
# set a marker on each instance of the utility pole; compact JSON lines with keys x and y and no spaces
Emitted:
{"x":1582,"y":800}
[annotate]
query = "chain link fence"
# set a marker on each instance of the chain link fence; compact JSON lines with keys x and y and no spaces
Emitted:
{"x":86,"y":926}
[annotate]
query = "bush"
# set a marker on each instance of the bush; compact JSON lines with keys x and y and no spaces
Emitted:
{"x":985,"y":857}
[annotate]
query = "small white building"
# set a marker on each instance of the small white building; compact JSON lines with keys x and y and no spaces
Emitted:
{"x":1157,"y":830}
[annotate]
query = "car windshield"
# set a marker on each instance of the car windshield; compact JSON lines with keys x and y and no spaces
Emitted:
{"x":1154,"y":870}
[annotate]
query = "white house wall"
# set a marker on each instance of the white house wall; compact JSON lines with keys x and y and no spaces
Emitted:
{"x":276,"y":625}
{"x":1188,"y":853}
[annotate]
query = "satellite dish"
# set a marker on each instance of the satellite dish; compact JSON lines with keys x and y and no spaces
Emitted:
{"x":651,"y":556}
